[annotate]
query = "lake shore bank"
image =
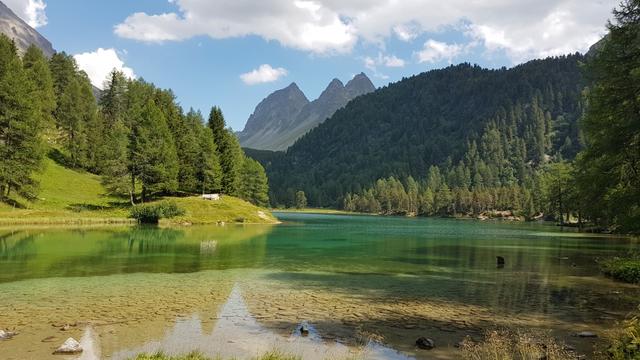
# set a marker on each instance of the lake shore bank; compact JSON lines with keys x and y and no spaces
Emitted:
{"x":227,"y":210}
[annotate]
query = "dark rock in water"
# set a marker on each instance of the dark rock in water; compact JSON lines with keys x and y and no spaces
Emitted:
{"x":500,"y":261}
{"x":425,"y":343}
{"x":304,"y":330}
{"x":6,"y":335}
{"x":71,"y":346}
{"x":586,"y":334}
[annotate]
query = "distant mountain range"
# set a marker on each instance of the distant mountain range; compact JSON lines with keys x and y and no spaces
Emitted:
{"x":286,"y":115}
{"x":21,"y":33}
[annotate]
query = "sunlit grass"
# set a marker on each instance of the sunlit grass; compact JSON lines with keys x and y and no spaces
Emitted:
{"x":75,"y":197}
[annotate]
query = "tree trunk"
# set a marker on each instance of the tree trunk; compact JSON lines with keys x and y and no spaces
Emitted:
{"x":132,"y":190}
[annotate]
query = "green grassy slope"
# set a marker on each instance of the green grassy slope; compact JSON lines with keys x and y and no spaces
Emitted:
{"x":70,"y":196}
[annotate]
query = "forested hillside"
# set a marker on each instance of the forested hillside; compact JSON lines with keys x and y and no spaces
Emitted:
{"x":136,"y":138}
{"x":482,"y":128}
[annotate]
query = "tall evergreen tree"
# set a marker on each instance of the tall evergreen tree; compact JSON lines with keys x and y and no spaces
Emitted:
{"x":37,"y":67}
{"x":155,"y":156}
{"x":231,"y":154}
{"x":21,"y":124}
{"x":609,"y":167}
{"x":255,"y":187}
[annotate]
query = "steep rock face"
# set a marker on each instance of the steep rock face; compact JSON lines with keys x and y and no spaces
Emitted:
{"x":286,"y":122}
{"x":272,"y":116}
{"x":23,"y":34}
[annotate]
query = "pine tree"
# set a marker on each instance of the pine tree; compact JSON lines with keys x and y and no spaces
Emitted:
{"x":209,"y":171}
{"x":301,"y":200}
{"x":69,"y":115}
{"x":230,"y":153}
{"x":609,"y":167}
{"x":38,"y":72}
{"x":156,"y":158}
{"x":21,"y":124}
{"x":255,"y":187}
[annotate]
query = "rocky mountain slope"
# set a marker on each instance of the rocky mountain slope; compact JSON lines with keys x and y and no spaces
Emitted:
{"x":23,"y":34}
{"x":286,"y":115}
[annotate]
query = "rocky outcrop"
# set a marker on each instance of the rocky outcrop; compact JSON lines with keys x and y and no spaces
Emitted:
{"x":21,"y":33}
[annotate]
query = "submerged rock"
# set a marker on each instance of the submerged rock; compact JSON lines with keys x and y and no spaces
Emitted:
{"x":586,"y":334}
{"x":6,"y":335}
{"x":425,"y":343}
{"x":304,"y":330}
{"x":71,"y":346}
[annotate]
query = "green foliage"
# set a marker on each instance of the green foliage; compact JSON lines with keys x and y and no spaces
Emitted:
{"x":229,"y":151}
{"x":626,"y":268}
{"x":152,"y":213}
{"x":301,"y":200}
{"x":22,"y":120}
{"x":503,"y":345}
{"x":255,"y":185}
{"x":609,"y":167}
{"x":624,"y":342}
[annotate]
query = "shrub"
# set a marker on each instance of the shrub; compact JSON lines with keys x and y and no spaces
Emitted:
{"x":625,"y":269}
{"x":624,"y":342}
{"x":503,"y":345}
{"x":152,"y":213}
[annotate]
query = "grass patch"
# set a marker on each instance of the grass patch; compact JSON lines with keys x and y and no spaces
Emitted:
{"x":505,"y":345}
{"x":624,"y":268}
{"x":197,"y":356}
{"x":75,"y":197}
{"x":624,"y":342}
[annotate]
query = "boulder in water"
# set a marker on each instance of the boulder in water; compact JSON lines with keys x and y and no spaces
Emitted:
{"x":71,"y":346}
{"x":425,"y":343}
{"x":586,"y":334}
{"x":304,"y":330}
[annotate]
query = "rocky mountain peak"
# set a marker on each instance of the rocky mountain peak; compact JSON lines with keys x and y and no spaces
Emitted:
{"x":359,"y":85}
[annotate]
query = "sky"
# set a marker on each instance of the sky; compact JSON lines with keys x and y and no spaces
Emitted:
{"x":235,"y":53}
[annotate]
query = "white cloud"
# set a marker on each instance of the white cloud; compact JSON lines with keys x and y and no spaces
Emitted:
{"x":434,"y":51}
{"x":98,"y":64}
{"x":406,"y":32}
{"x":263,"y":74}
{"x":373,"y":64}
{"x":31,"y":11}
{"x":305,"y":25}
{"x":523,"y":29}
{"x":393,"y":61}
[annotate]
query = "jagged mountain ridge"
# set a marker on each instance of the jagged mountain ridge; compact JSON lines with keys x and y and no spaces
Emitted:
{"x":22,"y":34}
{"x":286,"y":115}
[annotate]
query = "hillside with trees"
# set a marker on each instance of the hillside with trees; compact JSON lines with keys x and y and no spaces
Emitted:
{"x":137,"y":138}
{"x":473,"y":127}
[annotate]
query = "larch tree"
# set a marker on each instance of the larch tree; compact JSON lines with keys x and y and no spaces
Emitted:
{"x":21,"y":125}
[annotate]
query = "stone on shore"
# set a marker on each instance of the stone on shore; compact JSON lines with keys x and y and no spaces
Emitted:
{"x":71,"y":346}
{"x":6,"y":335}
{"x":425,"y":343}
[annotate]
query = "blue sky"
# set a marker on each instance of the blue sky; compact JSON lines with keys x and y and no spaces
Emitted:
{"x":202,"y":48}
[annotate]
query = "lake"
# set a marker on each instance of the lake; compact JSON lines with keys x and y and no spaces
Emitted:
{"x":363,"y":285}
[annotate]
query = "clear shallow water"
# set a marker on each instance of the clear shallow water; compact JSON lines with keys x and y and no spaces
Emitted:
{"x":351,"y":278}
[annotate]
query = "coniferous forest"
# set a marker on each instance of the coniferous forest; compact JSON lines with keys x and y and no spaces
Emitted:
{"x":546,"y":139}
{"x":136,"y":136}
